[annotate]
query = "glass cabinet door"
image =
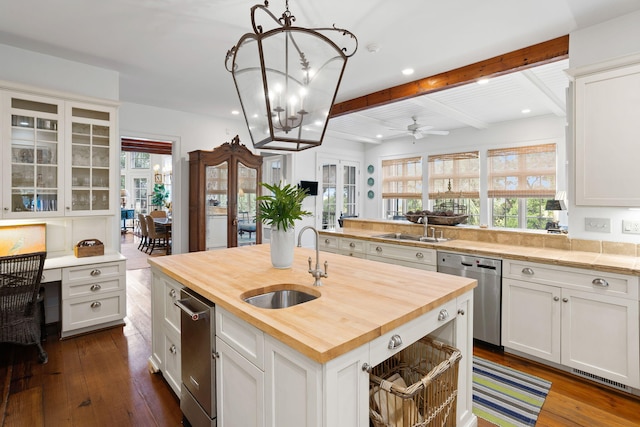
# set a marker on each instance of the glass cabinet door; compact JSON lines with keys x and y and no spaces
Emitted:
{"x":217,"y":201}
{"x":247,"y":204}
{"x":34,"y":174}
{"x":90,"y":160}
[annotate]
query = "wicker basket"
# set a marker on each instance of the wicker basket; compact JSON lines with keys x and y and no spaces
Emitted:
{"x":417,"y":387}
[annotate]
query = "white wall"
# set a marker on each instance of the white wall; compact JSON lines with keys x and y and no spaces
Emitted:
{"x":603,"y":42}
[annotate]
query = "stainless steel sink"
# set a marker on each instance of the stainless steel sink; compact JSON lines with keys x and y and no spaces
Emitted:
{"x":280,"y":296}
{"x":414,"y":237}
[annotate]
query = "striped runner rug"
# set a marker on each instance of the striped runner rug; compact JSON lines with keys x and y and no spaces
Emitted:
{"x":505,"y":396}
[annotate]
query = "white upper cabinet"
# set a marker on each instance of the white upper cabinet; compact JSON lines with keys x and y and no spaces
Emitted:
{"x":32,"y":149}
{"x":57,"y":157}
{"x":607,"y":131}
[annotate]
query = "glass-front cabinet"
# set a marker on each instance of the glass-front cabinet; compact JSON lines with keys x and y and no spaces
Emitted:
{"x":32,"y":150}
{"x":56,"y":157}
{"x":223,"y":187}
{"x":91,"y":157}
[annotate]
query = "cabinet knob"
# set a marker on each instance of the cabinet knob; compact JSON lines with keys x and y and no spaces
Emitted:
{"x":173,"y":349}
{"x":96,"y":304}
{"x":327,"y":241}
{"x":215,"y":355}
{"x":96,"y":272}
{"x":96,"y":287}
{"x":528,"y":271}
{"x":461,"y":312}
{"x":378,"y":249}
{"x":565,"y":299}
{"x":443,"y":315}
{"x":394,"y":342}
{"x":366,"y":367}
{"x":172,"y":293}
{"x":600,"y":282}
{"x":352,"y":245}
{"x":419,"y":255}
{"x":556,"y":298}
{"x":6,"y":209}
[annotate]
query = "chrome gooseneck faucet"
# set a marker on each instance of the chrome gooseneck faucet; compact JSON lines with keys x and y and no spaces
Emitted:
{"x":316,"y":273}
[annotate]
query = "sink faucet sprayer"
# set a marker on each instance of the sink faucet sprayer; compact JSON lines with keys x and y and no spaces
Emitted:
{"x":317,"y":273}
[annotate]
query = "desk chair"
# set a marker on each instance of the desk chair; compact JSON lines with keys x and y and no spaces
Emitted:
{"x":21,"y":307}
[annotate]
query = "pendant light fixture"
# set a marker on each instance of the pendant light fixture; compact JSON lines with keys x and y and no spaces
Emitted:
{"x":287,"y":79}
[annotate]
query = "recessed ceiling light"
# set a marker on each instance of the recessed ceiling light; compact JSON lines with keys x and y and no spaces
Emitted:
{"x":379,"y":136}
{"x":235,"y":112}
{"x":483,"y":81}
{"x":526,"y":111}
{"x":407,"y":71}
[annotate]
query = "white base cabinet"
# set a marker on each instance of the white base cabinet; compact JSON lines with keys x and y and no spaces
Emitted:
{"x":582,"y":319}
{"x":93,"y":296}
{"x":165,"y":330}
{"x":263,"y":382}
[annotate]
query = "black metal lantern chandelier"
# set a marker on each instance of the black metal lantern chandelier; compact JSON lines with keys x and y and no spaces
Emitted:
{"x":287,"y":79}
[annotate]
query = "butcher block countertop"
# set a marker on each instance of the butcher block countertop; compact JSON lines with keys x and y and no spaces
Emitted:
{"x":360,"y":300}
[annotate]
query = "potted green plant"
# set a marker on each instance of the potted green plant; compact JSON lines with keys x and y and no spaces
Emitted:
{"x":159,"y":196}
{"x":280,"y":210}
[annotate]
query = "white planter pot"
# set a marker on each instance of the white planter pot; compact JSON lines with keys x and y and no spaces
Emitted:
{"x":282,"y":244}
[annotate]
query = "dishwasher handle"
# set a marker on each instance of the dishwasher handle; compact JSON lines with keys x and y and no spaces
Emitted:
{"x":194,"y":315}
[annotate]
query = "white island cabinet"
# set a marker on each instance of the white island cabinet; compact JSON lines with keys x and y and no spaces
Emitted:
{"x":306,"y":365}
{"x":583,"y":320}
{"x":263,"y":382}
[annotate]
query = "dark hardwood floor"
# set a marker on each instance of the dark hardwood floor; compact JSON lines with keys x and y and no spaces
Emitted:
{"x":102,"y":379}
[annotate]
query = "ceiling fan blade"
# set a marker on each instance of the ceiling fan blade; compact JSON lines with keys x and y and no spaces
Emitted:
{"x":436,"y":132}
{"x":418,"y":135}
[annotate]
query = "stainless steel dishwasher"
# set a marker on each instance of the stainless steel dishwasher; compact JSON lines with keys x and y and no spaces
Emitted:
{"x":487,"y":297}
{"x":198,"y":391}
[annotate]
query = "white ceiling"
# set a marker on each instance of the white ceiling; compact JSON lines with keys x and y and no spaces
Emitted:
{"x":170,"y":53}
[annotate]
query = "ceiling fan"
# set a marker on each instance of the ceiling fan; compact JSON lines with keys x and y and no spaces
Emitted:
{"x":420,"y":131}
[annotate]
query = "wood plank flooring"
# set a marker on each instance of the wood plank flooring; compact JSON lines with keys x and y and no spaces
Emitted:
{"x":102,"y":379}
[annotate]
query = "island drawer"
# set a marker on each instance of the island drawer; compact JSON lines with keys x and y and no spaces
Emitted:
{"x":575,"y":278}
{"x":241,"y":336}
{"x":351,"y":246}
{"x":329,"y":244}
{"x":411,"y":332}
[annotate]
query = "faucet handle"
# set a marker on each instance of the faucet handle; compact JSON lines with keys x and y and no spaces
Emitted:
{"x":326,"y":265}
{"x":310,"y":265}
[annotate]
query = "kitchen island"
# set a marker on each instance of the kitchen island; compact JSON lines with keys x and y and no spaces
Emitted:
{"x":313,"y":353}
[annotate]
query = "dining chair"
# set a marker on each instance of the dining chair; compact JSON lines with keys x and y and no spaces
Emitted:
{"x":158,"y":214}
{"x":144,"y":234}
{"x":21,"y":306}
{"x":156,"y":239}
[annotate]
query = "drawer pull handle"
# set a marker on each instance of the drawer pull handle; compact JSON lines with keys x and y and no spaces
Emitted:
{"x":96,"y":287}
{"x":565,"y":299}
{"x":96,"y":272}
{"x":600,"y":282}
{"x":96,"y":304}
{"x":378,"y":249}
{"x":173,"y":349}
{"x":556,"y":298}
{"x":327,"y":241}
{"x":419,"y":255}
{"x":443,"y":315}
{"x":172,"y":293}
{"x":528,"y":271}
{"x":352,"y":245}
{"x":461,"y":312}
{"x":394,"y":342}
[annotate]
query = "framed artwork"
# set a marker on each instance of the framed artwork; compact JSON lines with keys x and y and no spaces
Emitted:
{"x":157,"y":178}
{"x":22,"y":239}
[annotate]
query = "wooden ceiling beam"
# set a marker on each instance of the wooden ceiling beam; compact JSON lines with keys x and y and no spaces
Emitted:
{"x":521,"y":59}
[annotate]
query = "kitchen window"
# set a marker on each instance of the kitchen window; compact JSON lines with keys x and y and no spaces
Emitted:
{"x":521,"y":179}
{"x":402,"y":185}
{"x":454,"y":184}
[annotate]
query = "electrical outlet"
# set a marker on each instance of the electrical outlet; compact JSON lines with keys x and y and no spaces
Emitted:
{"x":599,"y":225}
{"x":630,"y":227}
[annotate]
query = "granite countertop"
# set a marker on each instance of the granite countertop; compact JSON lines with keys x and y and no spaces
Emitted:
{"x":612,"y":263}
{"x":360,"y":300}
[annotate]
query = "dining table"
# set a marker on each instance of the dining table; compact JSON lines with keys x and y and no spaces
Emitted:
{"x":165,"y":223}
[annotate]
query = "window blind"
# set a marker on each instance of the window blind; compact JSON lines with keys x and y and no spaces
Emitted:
{"x":522,"y":172}
{"x":459,"y":170}
{"x":402,"y":178}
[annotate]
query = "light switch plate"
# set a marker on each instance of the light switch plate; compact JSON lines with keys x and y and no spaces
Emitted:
{"x":630,"y":227}
{"x":599,"y":225}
